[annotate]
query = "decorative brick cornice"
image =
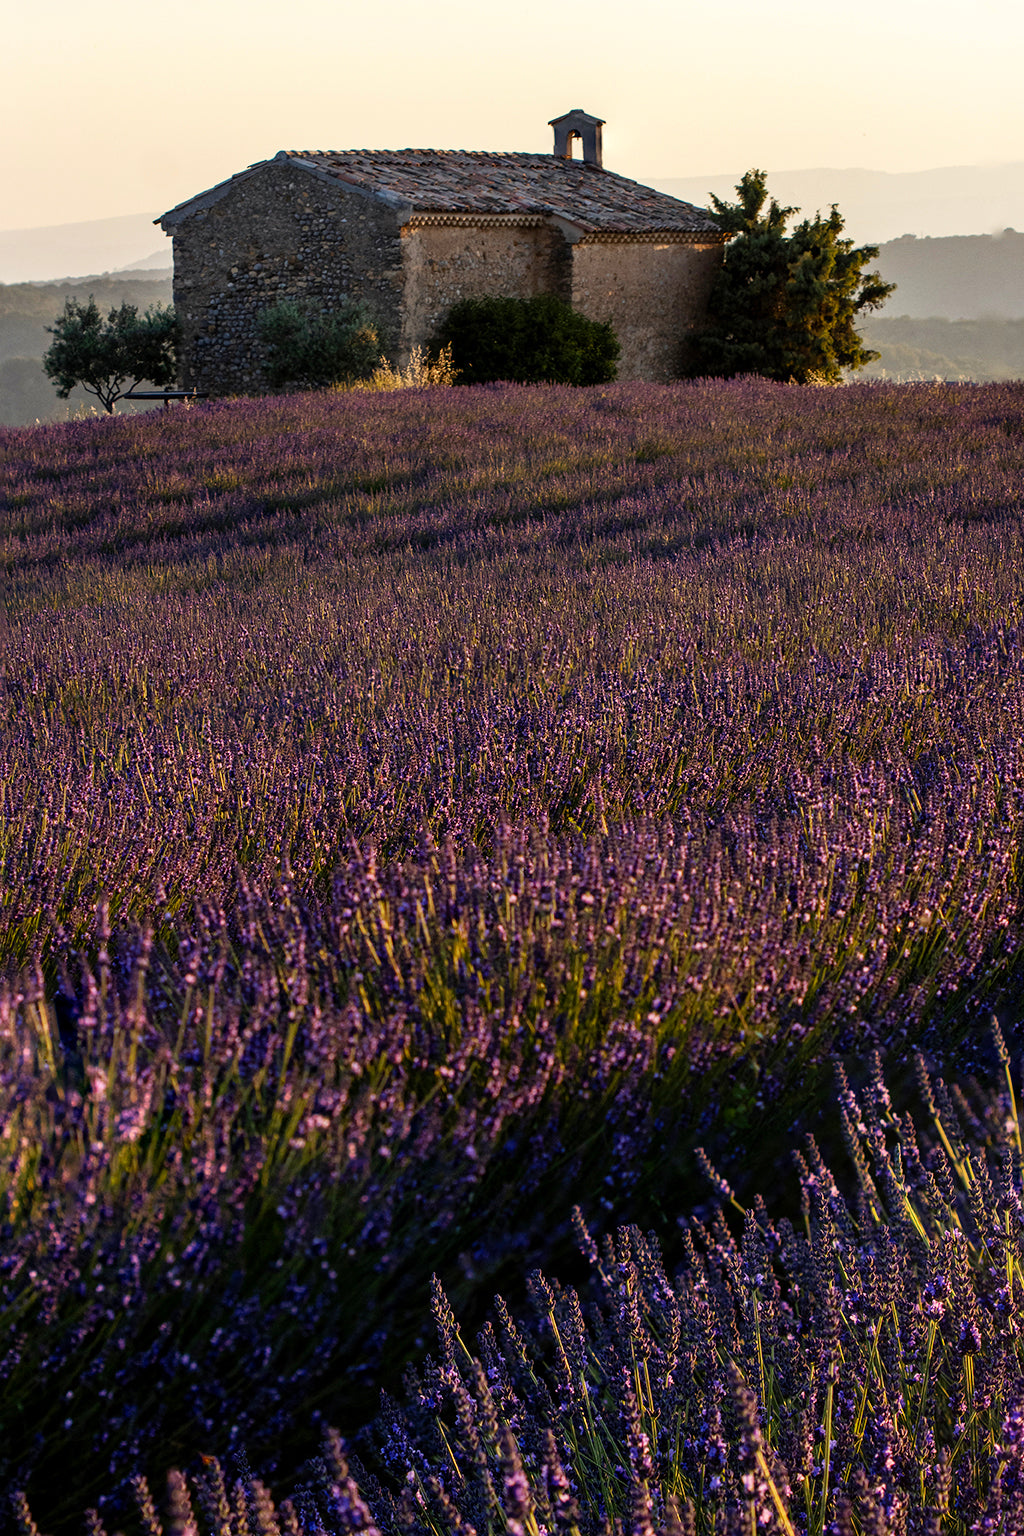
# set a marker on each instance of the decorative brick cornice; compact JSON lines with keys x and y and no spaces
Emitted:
{"x":652,"y":237}
{"x":589,"y":237}
{"x":477,"y":220}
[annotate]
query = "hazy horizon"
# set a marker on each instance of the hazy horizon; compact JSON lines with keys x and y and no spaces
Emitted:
{"x":877,"y":206}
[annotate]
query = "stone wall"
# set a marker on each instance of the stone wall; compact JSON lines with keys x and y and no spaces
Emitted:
{"x":652,"y":290}
{"x":447,"y":262}
{"x":277,"y":233}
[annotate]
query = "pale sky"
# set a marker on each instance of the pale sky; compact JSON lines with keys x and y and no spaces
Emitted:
{"x":122,"y":106}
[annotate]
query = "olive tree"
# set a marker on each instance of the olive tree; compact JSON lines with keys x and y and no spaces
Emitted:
{"x":106,"y":357}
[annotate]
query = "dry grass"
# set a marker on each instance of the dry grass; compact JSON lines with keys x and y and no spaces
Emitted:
{"x":420,"y":372}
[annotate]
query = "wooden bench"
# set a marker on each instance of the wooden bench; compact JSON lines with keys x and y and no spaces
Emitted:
{"x":166,"y":395}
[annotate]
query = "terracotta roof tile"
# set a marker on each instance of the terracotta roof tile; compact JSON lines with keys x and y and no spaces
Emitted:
{"x":480,"y":181}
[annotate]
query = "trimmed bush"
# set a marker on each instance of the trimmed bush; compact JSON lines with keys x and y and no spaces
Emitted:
{"x":528,"y":341}
{"x":309,"y":350}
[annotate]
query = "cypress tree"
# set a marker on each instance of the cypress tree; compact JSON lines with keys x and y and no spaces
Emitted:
{"x":785,"y":305}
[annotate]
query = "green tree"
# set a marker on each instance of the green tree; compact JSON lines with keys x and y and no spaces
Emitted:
{"x":314,"y":351}
{"x":541,"y":340}
{"x":107,"y":356}
{"x":785,"y":305}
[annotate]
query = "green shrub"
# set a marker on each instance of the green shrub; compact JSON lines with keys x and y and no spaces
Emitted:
{"x":315,"y":350}
{"x":528,"y":341}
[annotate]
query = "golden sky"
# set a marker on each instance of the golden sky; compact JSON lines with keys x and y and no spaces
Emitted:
{"x":123,"y":106}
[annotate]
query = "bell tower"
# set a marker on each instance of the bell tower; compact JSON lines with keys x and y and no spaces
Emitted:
{"x":578,"y":124}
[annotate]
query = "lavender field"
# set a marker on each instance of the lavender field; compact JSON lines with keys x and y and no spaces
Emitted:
{"x":424,"y":813}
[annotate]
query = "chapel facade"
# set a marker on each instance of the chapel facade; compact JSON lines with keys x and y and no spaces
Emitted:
{"x":409,"y":232}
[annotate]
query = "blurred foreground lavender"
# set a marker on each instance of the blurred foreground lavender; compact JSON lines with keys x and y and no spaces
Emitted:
{"x":485,"y":796}
{"x":863,"y":1375}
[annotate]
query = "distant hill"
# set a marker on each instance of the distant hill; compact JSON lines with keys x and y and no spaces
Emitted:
{"x":26,"y":309}
{"x":962,"y":277}
{"x":970,"y":350}
{"x":882,"y":205}
{"x":156,"y":261}
{"x":49,"y":253}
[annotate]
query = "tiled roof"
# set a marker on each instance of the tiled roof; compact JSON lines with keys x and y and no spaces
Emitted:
{"x":459,"y":181}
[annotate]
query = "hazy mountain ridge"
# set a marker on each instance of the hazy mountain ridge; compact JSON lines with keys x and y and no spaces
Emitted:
{"x":29,"y":308}
{"x":55,"y":253}
{"x":960,"y":277}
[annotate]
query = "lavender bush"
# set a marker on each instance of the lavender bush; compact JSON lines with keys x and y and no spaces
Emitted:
{"x":863,"y":1374}
{"x":423,"y":812}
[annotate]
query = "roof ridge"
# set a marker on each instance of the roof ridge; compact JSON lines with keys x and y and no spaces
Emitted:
{"x":489,"y":183}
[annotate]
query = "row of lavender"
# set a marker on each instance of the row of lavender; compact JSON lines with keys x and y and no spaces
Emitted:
{"x":486,"y":797}
{"x":243,"y":637}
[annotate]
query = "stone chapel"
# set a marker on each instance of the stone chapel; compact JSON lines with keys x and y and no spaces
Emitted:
{"x":408,"y":232}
